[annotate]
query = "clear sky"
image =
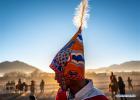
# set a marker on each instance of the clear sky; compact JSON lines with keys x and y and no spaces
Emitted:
{"x":33,"y":31}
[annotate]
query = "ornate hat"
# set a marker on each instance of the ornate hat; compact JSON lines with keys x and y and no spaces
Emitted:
{"x":69,"y":61}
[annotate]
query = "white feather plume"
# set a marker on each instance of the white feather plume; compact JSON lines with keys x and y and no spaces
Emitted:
{"x":81,"y":14}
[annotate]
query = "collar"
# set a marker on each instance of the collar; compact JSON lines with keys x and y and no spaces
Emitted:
{"x":84,"y":90}
{"x":87,"y":91}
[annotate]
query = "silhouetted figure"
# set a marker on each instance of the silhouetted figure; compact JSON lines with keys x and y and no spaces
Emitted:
{"x":42,"y":83}
{"x":32,"y":87}
{"x":8,"y":86}
{"x":25,"y":86}
{"x":12,"y":86}
{"x":112,"y":77}
{"x":19,"y":86}
{"x":130,"y":86}
{"x":121,"y":87}
{"x":113,"y":86}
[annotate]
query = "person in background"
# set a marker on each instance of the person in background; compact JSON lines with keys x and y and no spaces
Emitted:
{"x":32,"y":87}
{"x":121,"y":87}
{"x":42,"y":83}
{"x":25,"y":86}
{"x":113,"y":86}
{"x":112,"y":77}
{"x":130,"y":86}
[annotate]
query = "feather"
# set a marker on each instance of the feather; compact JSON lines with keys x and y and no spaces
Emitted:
{"x":81,"y":15}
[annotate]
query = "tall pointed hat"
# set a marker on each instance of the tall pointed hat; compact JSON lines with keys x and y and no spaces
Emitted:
{"x":69,"y":61}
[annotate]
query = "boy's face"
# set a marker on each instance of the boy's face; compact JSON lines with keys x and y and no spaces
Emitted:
{"x":63,"y":82}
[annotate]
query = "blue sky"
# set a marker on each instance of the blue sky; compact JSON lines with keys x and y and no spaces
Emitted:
{"x":33,"y":31}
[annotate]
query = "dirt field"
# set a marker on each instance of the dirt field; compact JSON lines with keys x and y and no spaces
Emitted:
{"x":51,"y":87}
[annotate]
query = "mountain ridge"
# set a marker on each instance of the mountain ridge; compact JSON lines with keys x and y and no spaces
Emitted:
{"x":19,"y":66}
{"x":123,"y":67}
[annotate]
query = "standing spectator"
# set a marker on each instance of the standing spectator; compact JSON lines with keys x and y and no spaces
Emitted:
{"x":25,"y":87}
{"x":112,"y":77}
{"x":121,"y":87}
{"x":130,"y":86}
{"x":32,"y":87}
{"x":113,"y":86}
{"x":8,"y":86}
{"x":42,"y":83}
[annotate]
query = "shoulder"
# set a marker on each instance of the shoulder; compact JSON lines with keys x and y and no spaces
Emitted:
{"x":95,"y":94}
{"x":99,"y":97}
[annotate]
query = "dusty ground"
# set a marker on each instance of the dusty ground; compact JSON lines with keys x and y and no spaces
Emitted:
{"x":50,"y":94}
{"x":51,"y":87}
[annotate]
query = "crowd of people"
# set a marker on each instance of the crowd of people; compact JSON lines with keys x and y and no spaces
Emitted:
{"x":22,"y":87}
{"x":10,"y":86}
{"x":118,"y":86}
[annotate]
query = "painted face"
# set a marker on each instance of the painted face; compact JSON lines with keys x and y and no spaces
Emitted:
{"x":63,"y":82}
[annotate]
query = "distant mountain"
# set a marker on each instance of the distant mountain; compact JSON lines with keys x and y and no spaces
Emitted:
{"x":124,"y":67}
{"x":6,"y":67}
